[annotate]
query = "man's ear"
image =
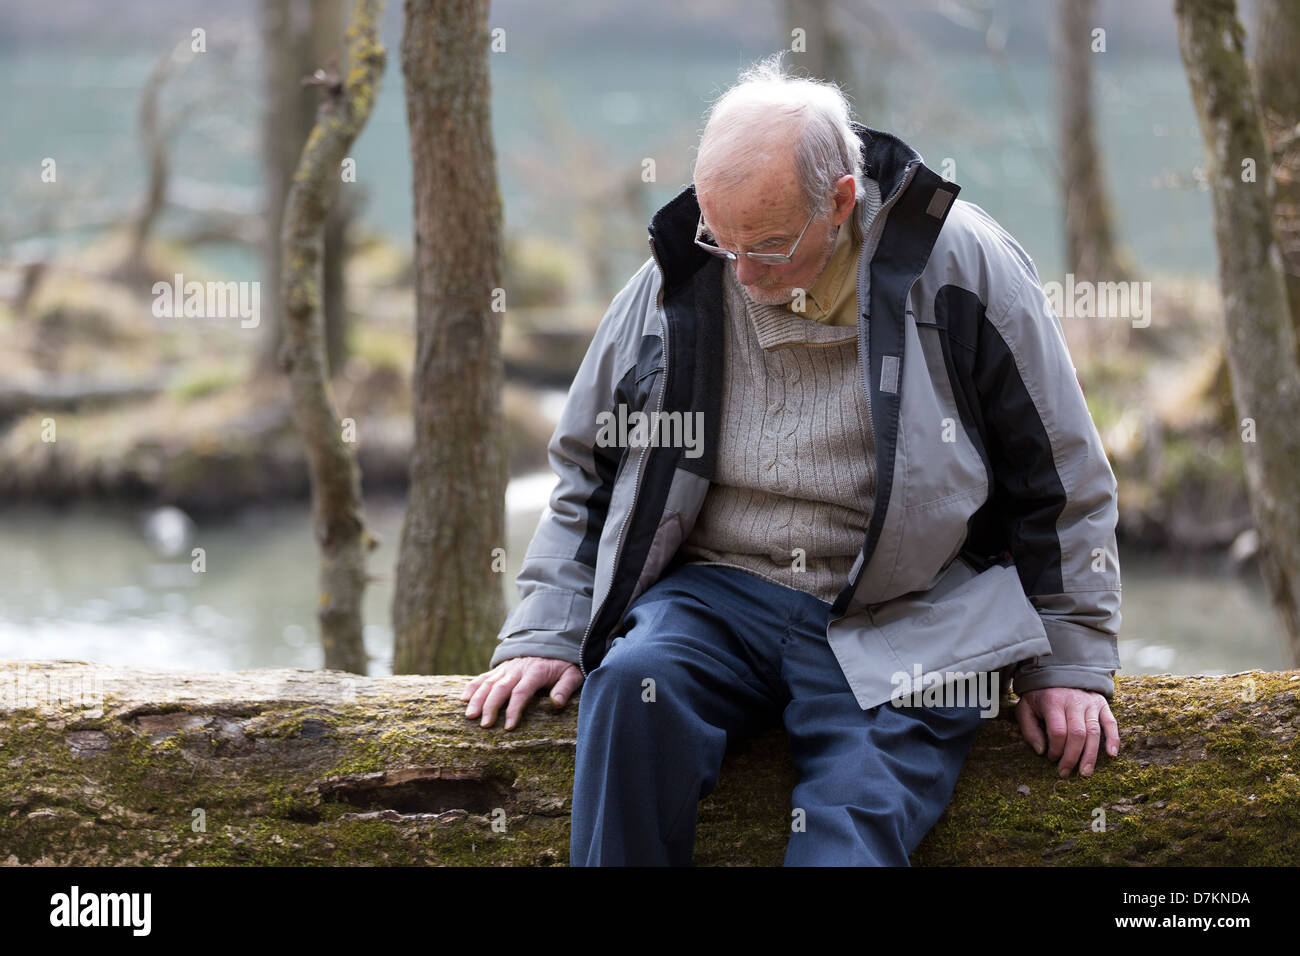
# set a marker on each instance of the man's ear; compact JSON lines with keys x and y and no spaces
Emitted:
{"x":845,"y":196}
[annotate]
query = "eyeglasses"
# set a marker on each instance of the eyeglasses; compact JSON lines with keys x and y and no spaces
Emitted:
{"x":770,"y":258}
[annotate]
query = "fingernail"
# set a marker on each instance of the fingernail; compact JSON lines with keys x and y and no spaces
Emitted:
{"x":1038,"y":749}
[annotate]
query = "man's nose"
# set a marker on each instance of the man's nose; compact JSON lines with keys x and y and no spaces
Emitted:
{"x":748,"y":272}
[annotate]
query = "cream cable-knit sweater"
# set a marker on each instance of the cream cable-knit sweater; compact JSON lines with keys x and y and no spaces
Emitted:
{"x":795,"y":478}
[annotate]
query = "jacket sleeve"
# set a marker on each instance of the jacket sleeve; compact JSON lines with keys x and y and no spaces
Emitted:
{"x":1054,"y":489}
{"x":556,"y":579}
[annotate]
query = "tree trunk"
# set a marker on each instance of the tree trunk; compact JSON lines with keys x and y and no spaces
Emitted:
{"x":153,"y":138}
{"x":1261,"y":335}
{"x":298,"y":38}
{"x":322,"y":44}
{"x":294,"y":768}
{"x":824,"y":56}
{"x":1277,"y":79}
{"x":282,"y":139}
{"x":335,"y":478}
{"x":1091,"y":252}
{"x":449,"y":602}
{"x":155,"y":147}
{"x":337,"y":226}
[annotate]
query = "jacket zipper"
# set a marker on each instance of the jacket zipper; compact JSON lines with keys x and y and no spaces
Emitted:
{"x":877,"y":226}
{"x":864,"y":373}
{"x":636,"y":488}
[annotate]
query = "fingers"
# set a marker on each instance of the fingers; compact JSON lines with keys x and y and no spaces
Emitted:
{"x":476,"y":683}
{"x":1054,"y":718}
{"x":1029,"y":729}
{"x":1111,"y":728}
{"x":1092,"y":727}
{"x":483,"y":686}
{"x":498,"y":695}
{"x":513,"y":684}
{"x":569,"y":681}
{"x":1076,"y":736}
{"x":1076,"y":722}
{"x":533,"y":679}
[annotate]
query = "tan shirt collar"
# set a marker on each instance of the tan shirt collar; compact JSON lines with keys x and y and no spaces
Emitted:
{"x":832,"y":298}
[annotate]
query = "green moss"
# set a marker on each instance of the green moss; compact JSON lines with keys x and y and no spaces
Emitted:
{"x":1238,"y":802}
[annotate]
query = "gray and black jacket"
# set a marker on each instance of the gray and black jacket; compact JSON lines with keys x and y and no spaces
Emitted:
{"x":991,"y":542}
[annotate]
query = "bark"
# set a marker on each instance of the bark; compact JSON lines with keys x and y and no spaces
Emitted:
{"x":153,"y":138}
{"x":282,"y":139}
{"x":335,"y":303}
{"x":294,"y":47}
{"x":1261,"y":335}
{"x":448,"y":587}
{"x":1091,"y":251}
{"x":825,"y":57}
{"x":335,"y":478}
{"x":1277,"y":78}
{"x":293,"y":767}
{"x":322,"y":44}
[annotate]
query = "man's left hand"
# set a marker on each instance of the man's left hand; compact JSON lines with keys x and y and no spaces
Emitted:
{"x":1075,"y":720}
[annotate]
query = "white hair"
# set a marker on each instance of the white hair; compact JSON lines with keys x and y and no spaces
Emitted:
{"x":767,"y":105}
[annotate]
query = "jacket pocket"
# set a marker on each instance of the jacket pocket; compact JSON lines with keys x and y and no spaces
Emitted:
{"x":967,"y":622}
{"x":545,"y":609}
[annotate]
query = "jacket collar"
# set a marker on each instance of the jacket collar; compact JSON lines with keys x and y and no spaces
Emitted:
{"x":885,"y":159}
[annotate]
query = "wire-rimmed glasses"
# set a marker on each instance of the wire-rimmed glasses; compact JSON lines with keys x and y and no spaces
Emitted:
{"x":767,"y":258}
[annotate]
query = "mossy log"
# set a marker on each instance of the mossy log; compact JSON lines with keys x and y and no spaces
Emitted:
{"x":112,"y":765}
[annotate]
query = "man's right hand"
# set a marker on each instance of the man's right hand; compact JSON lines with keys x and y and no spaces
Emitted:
{"x":517,"y":680}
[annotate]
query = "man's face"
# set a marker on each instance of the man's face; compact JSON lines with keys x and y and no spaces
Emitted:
{"x":766,"y":215}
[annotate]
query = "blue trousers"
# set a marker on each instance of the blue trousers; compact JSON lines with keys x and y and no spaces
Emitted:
{"x":711,"y":654}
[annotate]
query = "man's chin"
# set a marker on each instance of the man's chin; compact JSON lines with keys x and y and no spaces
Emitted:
{"x":771,"y":296}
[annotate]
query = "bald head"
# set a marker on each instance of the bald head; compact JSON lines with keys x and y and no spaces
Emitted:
{"x":771,"y":128}
{"x":744,"y":139}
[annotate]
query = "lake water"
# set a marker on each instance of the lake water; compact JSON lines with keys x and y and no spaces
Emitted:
{"x":86,"y":584}
{"x":567,"y":128}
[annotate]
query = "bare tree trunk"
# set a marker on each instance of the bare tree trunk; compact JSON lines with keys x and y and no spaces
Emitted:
{"x":819,"y":51}
{"x":298,"y":38}
{"x":322,"y":43}
{"x":337,"y":246}
{"x":282,"y":139}
{"x":1091,"y":252}
{"x":153,"y":137}
{"x":1261,"y":334}
{"x":449,"y":600}
{"x":335,"y":477}
{"x":1277,"y":77}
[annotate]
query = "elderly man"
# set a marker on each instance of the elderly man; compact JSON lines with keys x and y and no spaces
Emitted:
{"x":899,"y":499}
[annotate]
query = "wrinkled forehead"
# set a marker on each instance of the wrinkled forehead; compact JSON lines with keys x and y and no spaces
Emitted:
{"x":747,"y":206}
